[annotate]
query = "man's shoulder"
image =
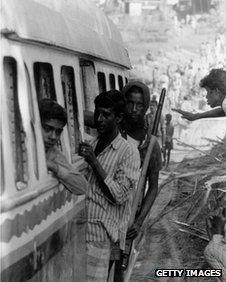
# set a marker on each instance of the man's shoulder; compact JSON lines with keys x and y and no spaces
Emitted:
{"x":125,"y":145}
{"x":92,"y":141}
{"x":127,"y":151}
{"x":155,"y":163}
{"x":146,"y":143}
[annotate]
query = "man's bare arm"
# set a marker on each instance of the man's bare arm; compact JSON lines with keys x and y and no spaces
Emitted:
{"x":68,"y":176}
{"x":149,"y":198}
{"x":87,"y":152}
{"x":146,"y":205}
{"x":216,"y":112}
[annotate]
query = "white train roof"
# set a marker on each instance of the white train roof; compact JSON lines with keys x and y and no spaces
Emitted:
{"x":77,"y":25}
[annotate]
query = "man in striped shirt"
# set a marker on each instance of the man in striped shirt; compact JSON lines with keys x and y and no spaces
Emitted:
{"x":113,"y":174}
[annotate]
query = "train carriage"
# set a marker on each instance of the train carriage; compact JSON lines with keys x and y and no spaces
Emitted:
{"x":69,"y":51}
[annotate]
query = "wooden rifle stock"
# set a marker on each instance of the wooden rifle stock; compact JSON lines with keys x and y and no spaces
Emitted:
{"x":143,"y":176}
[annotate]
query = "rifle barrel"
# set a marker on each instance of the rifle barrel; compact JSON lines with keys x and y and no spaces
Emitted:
{"x":159,"y":112}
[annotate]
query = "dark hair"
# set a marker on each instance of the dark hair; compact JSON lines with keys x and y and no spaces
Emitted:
{"x":50,"y":109}
{"x":169,"y":116}
{"x":216,"y":79}
{"x":113,"y":99}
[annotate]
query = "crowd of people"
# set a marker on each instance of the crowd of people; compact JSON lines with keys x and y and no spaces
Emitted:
{"x":113,"y":161}
{"x":182,"y":79}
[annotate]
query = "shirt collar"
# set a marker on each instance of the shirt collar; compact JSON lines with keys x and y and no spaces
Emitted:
{"x":115,"y":143}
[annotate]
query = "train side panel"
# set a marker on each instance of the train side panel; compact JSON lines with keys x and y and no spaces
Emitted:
{"x":42,"y":224}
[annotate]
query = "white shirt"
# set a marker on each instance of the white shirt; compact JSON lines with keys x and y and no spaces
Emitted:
{"x":224,"y":106}
{"x":215,"y":253}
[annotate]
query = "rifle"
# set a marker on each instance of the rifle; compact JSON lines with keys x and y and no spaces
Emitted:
{"x":142,"y":180}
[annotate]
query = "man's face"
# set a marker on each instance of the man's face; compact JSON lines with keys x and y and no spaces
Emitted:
{"x":135,"y":108}
{"x":51,"y":131}
{"x":153,"y":108}
{"x":213,"y":97}
{"x":105,"y":120}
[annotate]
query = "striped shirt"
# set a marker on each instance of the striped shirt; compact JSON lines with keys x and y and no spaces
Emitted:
{"x":121,"y":162}
{"x":215,"y":253}
{"x":67,"y":173}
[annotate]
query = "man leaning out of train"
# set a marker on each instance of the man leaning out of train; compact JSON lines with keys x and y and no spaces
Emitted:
{"x":113,"y":174}
{"x":53,"y":119}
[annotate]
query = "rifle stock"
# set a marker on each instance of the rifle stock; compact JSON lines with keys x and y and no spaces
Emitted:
{"x":143,"y":176}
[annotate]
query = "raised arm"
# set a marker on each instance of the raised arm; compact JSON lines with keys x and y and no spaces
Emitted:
{"x":216,"y":112}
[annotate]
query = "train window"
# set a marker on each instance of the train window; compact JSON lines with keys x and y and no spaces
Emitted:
{"x":120,"y":82}
{"x":126,"y":79}
{"x":89,"y":83}
{"x":68,"y":85}
{"x":101,"y":82}
{"x":17,"y":134}
{"x":44,"y":82}
{"x":112,"y":80}
{"x":2,"y":171}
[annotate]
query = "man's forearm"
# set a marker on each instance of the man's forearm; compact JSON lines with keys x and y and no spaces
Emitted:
{"x":217,"y":112}
{"x":72,"y":180}
{"x":101,"y":175}
{"x":149,"y":198}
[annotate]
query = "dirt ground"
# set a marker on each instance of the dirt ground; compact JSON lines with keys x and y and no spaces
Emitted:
{"x":183,"y":199}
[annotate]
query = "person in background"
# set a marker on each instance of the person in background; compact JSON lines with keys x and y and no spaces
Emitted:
{"x":53,"y":119}
{"x":149,"y":56}
{"x":149,"y":120}
{"x":215,"y":85}
{"x":215,"y":251}
{"x":168,"y":140}
{"x":113,"y":175}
